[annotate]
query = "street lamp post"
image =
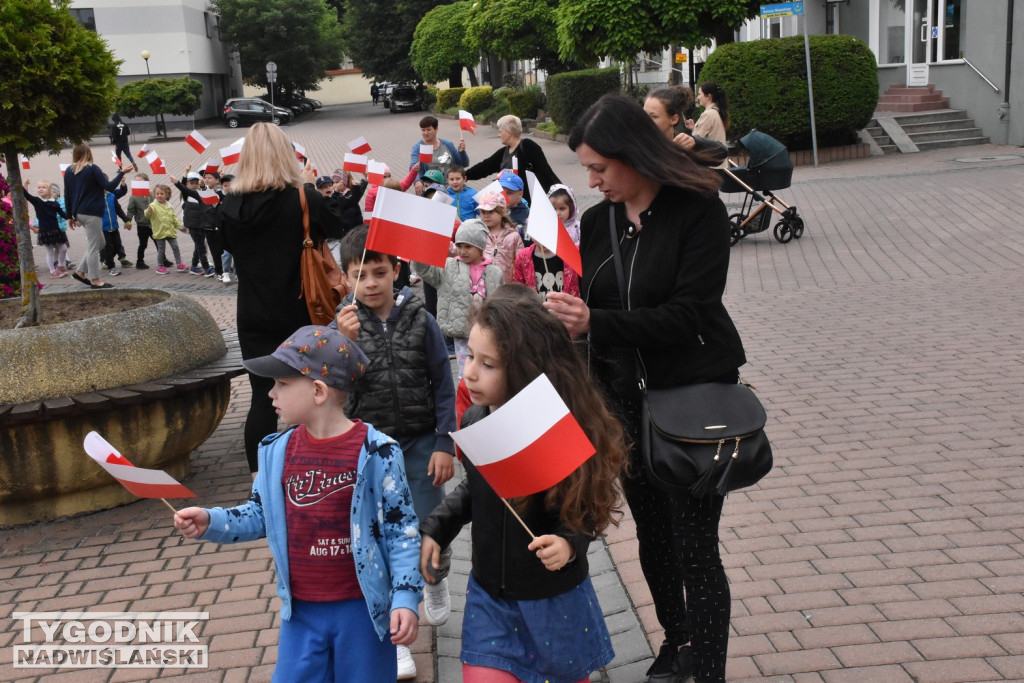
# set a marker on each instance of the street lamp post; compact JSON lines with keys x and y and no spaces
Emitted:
{"x":156,"y":121}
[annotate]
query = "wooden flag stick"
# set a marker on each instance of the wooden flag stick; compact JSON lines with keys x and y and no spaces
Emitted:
{"x":164,"y":501}
{"x":518,"y":518}
{"x":355,"y":287}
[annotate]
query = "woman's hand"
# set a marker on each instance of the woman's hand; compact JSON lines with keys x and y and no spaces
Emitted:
{"x":571,"y":310}
{"x":462,"y":145}
{"x":685,"y":141}
{"x":554,"y":551}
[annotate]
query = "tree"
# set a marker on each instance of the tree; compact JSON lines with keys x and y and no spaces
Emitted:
{"x":519,"y":29}
{"x":301,"y":36}
{"x":379,"y":35}
{"x":440,"y":48}
{"x":59,"y":81}
{"x":153,"y":96}
{"x":621,"y":29}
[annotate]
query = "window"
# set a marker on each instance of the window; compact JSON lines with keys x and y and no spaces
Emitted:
{"x":85,"y":17}
{"x":892,"y":36}
{"x":212,"y":25}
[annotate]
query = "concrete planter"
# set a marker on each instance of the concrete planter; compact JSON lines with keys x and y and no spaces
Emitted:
{"x":154,"y":381}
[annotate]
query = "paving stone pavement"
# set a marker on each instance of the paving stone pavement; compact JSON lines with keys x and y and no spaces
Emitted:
{"x":886,"y":545}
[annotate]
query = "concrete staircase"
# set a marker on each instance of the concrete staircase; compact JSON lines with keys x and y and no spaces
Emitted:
{"x":901,"y":98}
{"x":913,"y":132}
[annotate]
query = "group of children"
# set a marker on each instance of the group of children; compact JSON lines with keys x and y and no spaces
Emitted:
{"x":352,"y":499}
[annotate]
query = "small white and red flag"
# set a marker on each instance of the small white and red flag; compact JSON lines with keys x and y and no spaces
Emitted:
{"x":443,"y":197}
{"x":143,"y":151}
{"x":140,"y":188}
{"x":494,"y":186}
{"x":411,"y":227}
{"x":210,"y":166}
{"x":467,"y":122}
{"x":25,"y":166}
{"x":113,"y":157}
{"x":300,"y":151}
{"x":141,"y":482}
{"x":64,"y":167}
{"x":375,"y":172}
{"x":155,"y":163}
{"x":229,"y":155}
{"x":426,"y":154}
{"x":515,"y":165}
{"x":209,"y":197}
{"x":359,"y":145}
{"x":547,"y":228}
{"x":527,"y":445}
{"x":197,"y":142}
{"x":355,"y":163}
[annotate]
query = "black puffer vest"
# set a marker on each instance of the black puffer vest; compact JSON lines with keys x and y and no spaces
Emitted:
{"x":395,"y":395}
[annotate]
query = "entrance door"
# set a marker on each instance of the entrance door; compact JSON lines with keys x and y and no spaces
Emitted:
{"x":922,"y":35}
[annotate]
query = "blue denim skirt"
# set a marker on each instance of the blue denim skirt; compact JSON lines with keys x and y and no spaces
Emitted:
{"x":555,"y":640}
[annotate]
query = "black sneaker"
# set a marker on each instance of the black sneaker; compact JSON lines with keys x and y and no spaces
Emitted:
{"x":141,"y":265}
{"x":684,"y":663}
{"x":666,"y":666}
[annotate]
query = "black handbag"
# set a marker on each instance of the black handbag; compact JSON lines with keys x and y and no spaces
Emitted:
{"x":699,"y":438}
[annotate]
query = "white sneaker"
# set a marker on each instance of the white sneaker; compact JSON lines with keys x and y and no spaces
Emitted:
{"x":226,"y":279}
{"x":437,"y":602}
{"x":406,"y":666}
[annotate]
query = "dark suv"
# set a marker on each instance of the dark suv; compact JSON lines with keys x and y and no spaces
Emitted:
{"x":248,"y":110}
{"x":405,"y":98}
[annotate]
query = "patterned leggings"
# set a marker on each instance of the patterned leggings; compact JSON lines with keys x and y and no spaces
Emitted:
{"x":679,"y":556}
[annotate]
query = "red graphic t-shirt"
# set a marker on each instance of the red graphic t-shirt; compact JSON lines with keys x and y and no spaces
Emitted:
{"x":318,"y":478}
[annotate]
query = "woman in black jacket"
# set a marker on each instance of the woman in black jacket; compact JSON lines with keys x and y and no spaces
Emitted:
{"x":673,"y":232}
{"x":261,"y":219}
{"x":516,"y":153}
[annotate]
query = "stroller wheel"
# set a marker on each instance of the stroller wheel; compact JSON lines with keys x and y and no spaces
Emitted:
{"x":736,"y":232}
{"x":783,"y":231}
{"x":797,"y":224}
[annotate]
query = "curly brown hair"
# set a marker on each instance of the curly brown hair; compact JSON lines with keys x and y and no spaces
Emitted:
{"x":532,"y":342}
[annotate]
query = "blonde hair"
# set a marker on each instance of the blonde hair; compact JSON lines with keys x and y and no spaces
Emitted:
{"x":392,"y":184}
{"x":166,"y":189}
{"x":81,"y":157}
{"x":267,"y":162}
{"x":502,"y":211}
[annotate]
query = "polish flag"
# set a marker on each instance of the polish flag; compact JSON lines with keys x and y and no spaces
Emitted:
{"x":426,"y":154}
{"x":547,"y":228}
{"x":443,"y":197}
{"x":209,"y":197}
{"x":210,"y":166}
{"x":467,"y":122}
{"x":155,"y":164}
{"x":141,"y":482}
{"x":64,"y":167}
{"x":515,"y":166}
{"x":411,"y":227}
{"x":529,"y":444}
{"x":375,"y":172}
{"x":355,"y":163}
{"x":495,"y":186}
{"x":197,"y":142}
{"x":25,"y":166}
{"x":113,"y":157}
{"x":359,"y":145}
{"x":300,"y":151}
{"x":143,"y":152}
{"x":140,"y":188}
{"x":229,"y":155}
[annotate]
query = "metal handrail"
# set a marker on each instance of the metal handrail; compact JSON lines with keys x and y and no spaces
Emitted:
{"x":965,"y":61}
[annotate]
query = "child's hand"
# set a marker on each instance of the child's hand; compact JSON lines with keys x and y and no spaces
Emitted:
{"x":187,"y":169}
{"x":554,"y":551}
{"x":442,"y":467}
{"x":174,"y":181}
{"x":128,"y":225}
{"x":416,"y":166}
{"x":185,"y":230}
{"x":404,"y":626}
{"x":192,"y":522}
{"x":430,"y":556}
{"x":348,"y":322}
{"x":308,"y":174}
{"x":34,"y":228}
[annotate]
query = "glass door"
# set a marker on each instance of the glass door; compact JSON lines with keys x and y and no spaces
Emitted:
{"x":922,"y":35}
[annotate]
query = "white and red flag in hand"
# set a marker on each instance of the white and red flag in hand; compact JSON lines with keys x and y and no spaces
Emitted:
{"x":359,"y":145}
{"x":515,"y":166}
{"x":547,"y":228}
{"x":210,"y":166}
{"x":113,"y":157}
{"x":197,"y":142}
{"x":229,"y":155}
{"x":141,"y":482}
{"x":143,"y":152}
{"x":209,"y":197}
{"x":300,"y":151}
{"x":375,"y":172}
{"x":155,"y":163}
{"x":527,"y":445}
{"x":140,"y":188}
{"x":64,"y":167}
{"x":355,"y":163}
{"x":426,"y":154}
{"x":411,"y":227}
{"x":25,"y":166}
{"x":467,"y":122}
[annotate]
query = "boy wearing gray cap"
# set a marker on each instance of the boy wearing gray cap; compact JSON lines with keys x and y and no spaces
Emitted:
{"x":331,"y":498}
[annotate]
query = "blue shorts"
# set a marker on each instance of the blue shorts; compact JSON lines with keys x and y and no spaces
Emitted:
{"x":333,"y":641}
{"x":562,"y":639}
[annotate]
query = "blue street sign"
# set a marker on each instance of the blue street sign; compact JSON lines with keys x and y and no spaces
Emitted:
{"x":782,"y":9}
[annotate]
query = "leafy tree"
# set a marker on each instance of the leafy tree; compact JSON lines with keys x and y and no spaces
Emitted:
{"x":519,"y":29}
{"x":59,"y":80}
{"x":589,"y":29}
{"x":379,"y":35}
{"x":440,"y":48}
{"x":152,"y":96}
{"x":301,"y":36}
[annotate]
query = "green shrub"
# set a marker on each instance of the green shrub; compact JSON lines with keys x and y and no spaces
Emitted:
{"x":522,"y":103}
{"x":448,"y":98}
{"x":570,"y":93}
{"x":765,"y":82}
{"x":475,"y":100}
{"x":429,"y":97}
{"x":538,"y":95}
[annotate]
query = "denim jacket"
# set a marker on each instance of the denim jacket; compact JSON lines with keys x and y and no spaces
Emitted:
{"x":385,"y":536}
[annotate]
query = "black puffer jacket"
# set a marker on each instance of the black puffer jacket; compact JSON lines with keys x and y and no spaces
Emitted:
{"x":502,"y":564}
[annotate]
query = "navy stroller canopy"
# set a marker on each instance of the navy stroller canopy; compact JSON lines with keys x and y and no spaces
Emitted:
{"x":766,"y":153}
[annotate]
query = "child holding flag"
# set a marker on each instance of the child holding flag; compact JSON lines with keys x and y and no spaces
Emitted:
{"x":50,"y":234}
{"x":192,"y":209}
{"x":531,"y":610}
{"x":503,"y":239}
{"x":137,"y":205}
{"x":165,"y":225}
{"x":332,"y":500}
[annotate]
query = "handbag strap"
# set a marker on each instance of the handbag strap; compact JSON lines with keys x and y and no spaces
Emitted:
{"x":306,"y":242}
{"x":620,"y":276}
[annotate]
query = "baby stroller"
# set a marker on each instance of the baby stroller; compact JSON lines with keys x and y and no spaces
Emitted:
{"x":768,"y":168}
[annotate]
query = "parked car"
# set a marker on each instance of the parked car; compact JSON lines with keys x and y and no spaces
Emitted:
{"x":295,"y":109}
{"x":405,"y":98}
{"x":315,"y":104}
{"x":385,"y":93}
{"x":249,"y":110}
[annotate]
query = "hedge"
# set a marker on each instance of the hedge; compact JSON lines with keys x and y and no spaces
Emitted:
{"x":571,"y":93}
{"x":765,"y":82}
{"x":522,"y":103}
{"x":475,"y":100}
{"x":446,"y":99}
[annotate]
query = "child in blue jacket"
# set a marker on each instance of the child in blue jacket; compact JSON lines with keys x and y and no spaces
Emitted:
{"x":332,"y":500}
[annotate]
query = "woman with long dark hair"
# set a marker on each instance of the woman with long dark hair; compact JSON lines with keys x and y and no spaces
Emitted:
{"x":714,"y":122}
{"x":663,"y":210}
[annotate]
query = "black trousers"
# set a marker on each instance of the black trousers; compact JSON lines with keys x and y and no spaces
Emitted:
{"x":213,"y":239}
{"x":112,"y":247}
{"x":198,"y":236}
{"x":145,"y":234}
